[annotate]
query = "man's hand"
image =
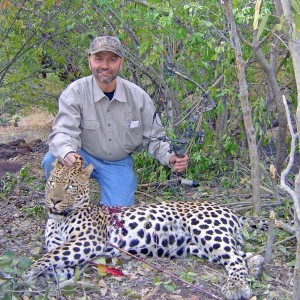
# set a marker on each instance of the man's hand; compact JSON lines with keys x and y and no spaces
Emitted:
{"x":178,"y":164}
{"x":70,"y":159}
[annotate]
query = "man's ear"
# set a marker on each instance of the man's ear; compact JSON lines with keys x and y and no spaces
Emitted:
{"x":90,"y":67}
{"x":122,"y":61}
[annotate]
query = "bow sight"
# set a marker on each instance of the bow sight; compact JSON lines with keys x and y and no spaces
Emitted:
{"x":176,"y":146}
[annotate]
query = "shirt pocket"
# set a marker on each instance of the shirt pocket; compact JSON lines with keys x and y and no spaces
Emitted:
{"x":133,"y":137}
{"x":89,"y":132}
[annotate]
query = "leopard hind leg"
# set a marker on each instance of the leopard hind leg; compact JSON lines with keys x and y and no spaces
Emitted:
{"x":236,"y":286}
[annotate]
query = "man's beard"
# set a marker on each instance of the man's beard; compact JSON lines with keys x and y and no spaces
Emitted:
{"x":107,"y":78}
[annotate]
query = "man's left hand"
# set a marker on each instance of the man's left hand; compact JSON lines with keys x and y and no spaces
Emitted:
{"x":178,"y":164}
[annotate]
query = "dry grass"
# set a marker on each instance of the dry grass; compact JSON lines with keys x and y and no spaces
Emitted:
{"x":34,"y":124}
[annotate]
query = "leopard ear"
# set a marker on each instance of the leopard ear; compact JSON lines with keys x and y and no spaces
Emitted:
{"x":57,"y":164}
{"x":79,"y":161}
{"x":88,"y":170}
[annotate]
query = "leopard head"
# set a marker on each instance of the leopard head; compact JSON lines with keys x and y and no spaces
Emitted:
{"x":67,"y":188}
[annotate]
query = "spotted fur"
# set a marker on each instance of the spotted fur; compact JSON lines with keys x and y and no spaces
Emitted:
{"x":78,"y":231}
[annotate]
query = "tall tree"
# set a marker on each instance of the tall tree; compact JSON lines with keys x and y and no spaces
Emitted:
{"x":244,"y":97}
{"x":293,"y":30}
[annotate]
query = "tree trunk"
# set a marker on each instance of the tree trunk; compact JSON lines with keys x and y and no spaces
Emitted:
{"x":294,"y":47}
{"x":282,"y":128}
{"x":249,"y":128}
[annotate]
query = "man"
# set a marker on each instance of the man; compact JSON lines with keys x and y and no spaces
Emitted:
{"x":105,"y":119}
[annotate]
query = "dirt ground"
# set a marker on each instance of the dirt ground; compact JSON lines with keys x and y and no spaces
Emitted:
{"x":22,"y":236}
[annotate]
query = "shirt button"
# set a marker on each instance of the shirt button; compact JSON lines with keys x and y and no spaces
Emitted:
{"x":109,"y":154}
{"x":109,"y":140}
{"x":108,"y":110}
{"x":108,"y":124}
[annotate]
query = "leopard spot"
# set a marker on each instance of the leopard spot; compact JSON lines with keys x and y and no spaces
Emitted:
{"x":216,"y":246}
{"x":196,"y":231}
{"x":122,"y":243}
{"x":171,"y":239}
{"x":180,"y":251}
{"x":165,"y":242}
{"x":133,"y":225}
{"x":227,"y":249}
{"x":218,"y":239}
{"x":86,"y":250}
{"x":148,"y":238}
{"x":144,"y":251}
{"x":134,"y":243}
{"x":223,"y":220}
{"x":225,"y":256}
{"x":180,"y":241}
{"x":204,"y":226}
{"x":208,"y":237}
{"x":141,"y":233}
{"x":160,"y":252}
{"x":124,"y":231}
{"x":165,"y":228}
{"x":148,"y":225}
{"x":195,"y":221}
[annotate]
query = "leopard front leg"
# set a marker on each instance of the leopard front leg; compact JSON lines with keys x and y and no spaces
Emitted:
{"x":53,"y":235}
{"x":236,"y":286}
{"x":60,"y":263}
{"x":43,"y":271}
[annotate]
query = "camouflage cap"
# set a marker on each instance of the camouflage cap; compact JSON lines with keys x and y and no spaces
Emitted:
{"x":106,"y":43}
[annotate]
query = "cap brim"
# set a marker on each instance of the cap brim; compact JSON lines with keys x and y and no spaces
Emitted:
{"x":104,"y":49}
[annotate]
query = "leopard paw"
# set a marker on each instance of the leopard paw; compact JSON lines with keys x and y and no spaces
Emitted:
{"x":40,"y":281}
{"x":236,"y":289}
{"x":255,"y":265}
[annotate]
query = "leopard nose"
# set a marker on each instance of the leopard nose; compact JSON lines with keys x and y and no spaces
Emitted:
{"x":56,"y":200}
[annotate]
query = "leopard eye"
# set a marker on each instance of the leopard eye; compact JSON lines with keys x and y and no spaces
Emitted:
{"x":69,"y":187}
{"x":51,"y":183}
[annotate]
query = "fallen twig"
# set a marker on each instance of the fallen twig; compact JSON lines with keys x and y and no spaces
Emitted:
{"x":262,"y":205}
{"x":165,"y":272}
{"x":273,"y":246}
{"x":286,"y":227}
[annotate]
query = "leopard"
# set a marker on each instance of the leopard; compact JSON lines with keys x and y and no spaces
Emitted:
{"x":78,"y":231}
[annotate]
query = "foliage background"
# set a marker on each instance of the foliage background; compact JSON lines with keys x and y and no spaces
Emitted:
{"x":178,"y":51}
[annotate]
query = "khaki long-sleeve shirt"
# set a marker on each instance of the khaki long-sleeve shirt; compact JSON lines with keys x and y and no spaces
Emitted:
{"x":108,"y":130}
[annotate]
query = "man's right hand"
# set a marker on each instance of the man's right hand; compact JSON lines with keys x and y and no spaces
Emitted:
{"x":70,"y":159}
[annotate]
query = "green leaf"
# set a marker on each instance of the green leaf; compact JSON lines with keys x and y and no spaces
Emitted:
{"x":157,"y":281}
{"x":266,"y":277}
{"x":24,"y":263}
{"x":9,"y":254}
{"x":192,"y":274}
{"x":262,"y":25}
{"x":5,"y":261}
{"x":77,"y":274}
{"x":245,"y":233}
{"x":295,"y":6}
{"x":296,"y":20}
{"x":170,"y":288}
{"x":100,"y":260}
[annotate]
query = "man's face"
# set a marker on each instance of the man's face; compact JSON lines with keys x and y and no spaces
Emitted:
{"x":105,"y":66}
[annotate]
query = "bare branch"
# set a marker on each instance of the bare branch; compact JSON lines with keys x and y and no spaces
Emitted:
{"x":291,"y":159}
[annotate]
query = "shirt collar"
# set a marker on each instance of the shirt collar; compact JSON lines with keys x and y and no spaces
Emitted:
{"x":119,"y":92}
